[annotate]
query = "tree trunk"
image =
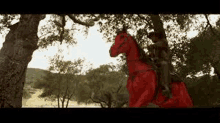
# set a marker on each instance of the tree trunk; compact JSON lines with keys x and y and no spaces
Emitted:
{"x":59,"y":79}
{"x":101,"y":105}
{"x":67,"y":102}
{"x":64,"y":96}
{"x":58,"y":101}
{"x":68,"y":99}
{"x":158,"y":24}
{"x":216,"y":70}
{"x":63,"y":103}
{"x":158,"y":27}
{"x":16,"y":53}
{"x":215,"y":56}
{"x":109,"y":99}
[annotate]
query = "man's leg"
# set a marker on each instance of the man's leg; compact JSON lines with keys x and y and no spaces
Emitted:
{"x":166,"y":80}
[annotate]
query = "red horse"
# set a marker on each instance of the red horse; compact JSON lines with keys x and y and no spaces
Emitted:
{"x":142,"y":81}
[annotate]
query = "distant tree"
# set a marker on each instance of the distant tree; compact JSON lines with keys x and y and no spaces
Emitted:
{"x":173,"y":26}
{"x":204,"y":51}
{"x":106,"y":86}
{"x":62,"y":85}
{"x":28,"y":90}
{"x":22,"y":40}
{"x":204,"y":90}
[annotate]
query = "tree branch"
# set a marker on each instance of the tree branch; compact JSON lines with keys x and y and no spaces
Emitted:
{"x":97,"y":102}
{"x":213,"y":32}
{"x":109,"y":97}
{"x":216,"y":71}
{"x":91,"y":22}
{"x":70,"y":96}
{"x":208,"y":23}
{"x":62,"y":31}
{"x":150,"y":25}
{"x":103,"y":101}
{"x":61,"y":100}
{"x":119,"y":106}
{"x":119,"y":89}
{"x":102,"y":16}
{"x":158,"y":24}
{"x":65,"y":94}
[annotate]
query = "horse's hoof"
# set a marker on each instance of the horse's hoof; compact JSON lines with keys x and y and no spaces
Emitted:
{"x":151,"y":105}
{"x":167,"y":93}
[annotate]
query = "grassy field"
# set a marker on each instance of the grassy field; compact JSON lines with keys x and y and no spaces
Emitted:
{"x":30,"y":95}
{"x":204,"y":92}
{"x":36,"y":102}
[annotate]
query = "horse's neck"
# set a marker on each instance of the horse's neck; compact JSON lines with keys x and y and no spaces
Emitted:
{"x":133,"y":54}
{"x":133,"y":61}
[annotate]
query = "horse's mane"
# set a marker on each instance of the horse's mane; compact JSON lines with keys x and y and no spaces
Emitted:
{"x":143,"y":57}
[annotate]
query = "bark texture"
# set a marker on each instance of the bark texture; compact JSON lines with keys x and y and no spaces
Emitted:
{"x":215,"y":56}
{"x":16,"y":53}
{"x":158,"y":24}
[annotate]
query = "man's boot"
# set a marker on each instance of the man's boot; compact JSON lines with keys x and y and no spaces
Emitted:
{"x":166,"y":80}
{"x":166,"y":91}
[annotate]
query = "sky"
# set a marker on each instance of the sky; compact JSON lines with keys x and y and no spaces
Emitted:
{"x":94,"y":49}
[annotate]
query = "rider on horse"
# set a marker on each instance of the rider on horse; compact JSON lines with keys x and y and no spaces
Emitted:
{"x":161,"y":57}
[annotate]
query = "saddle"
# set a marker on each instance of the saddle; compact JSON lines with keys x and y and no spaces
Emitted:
{"x":174,"y":77}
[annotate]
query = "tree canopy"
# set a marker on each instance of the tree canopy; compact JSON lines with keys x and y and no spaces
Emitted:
{"x":107,"y":86}
{"x":62,"y":85}
{"x":176,"y":27}
{"x":25,"y":36}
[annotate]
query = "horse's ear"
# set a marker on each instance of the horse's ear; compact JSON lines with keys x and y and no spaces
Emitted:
{"x":117,"y":31}
{"x":124,"y":28}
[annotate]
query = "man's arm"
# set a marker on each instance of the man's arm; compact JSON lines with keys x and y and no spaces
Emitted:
{"x":164,"y":55}
{"x":161,"y":44}
{"x":158,"y":45}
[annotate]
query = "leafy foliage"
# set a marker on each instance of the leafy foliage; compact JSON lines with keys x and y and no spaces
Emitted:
{"x":6,"y":20}
{"x":175,"y":26}
{"x":62,"y":85}
{"x":204,"y":90}
{"x":84,"y":93}
{"x":202,"y":52}
{"x":51,"y":31}
{"x":106,"y":85}
{"x":189,"y":56}
{"x":61,"y":28}
{"x":32,"y":74}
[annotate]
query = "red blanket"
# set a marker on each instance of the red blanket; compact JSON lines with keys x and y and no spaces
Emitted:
{"x":142,"y":90}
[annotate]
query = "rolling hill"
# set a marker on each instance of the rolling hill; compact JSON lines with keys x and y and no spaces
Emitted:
{"x":32,"y":75}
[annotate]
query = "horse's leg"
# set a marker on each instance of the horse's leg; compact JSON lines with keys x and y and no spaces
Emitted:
{"x":144,"y":87}
{"x":180,"y":99}
{"x":131,"y":92}
{"x":152,"y":105}
{"x":185,"y":100}
{"x":162,"y":102}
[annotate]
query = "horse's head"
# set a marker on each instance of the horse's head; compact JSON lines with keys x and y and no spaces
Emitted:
{"x":121,"y":44}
